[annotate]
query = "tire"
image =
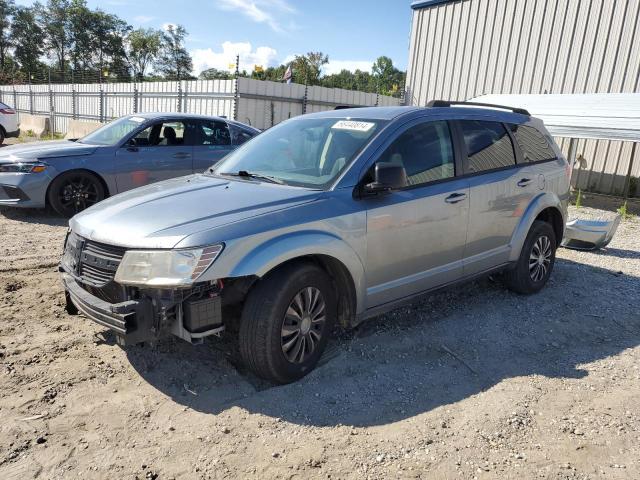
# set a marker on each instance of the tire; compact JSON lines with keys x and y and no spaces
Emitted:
{"x":275,"y":310}
{"x":72,"y":192}
{"x":531,"y":274}
{"x":2,"y":135}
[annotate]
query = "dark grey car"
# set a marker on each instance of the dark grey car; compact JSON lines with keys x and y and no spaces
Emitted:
{"x":129,"y":152}
{"x":324,"y":219}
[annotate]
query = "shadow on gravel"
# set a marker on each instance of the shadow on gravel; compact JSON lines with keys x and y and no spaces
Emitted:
{"x":35,"y":216}
{"x":451,"y":346}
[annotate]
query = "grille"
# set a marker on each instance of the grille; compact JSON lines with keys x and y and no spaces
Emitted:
{"x":95,"y":265}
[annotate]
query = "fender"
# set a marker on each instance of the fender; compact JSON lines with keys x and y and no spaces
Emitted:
{"x":268,"y":255}
{"x":542,"y":201}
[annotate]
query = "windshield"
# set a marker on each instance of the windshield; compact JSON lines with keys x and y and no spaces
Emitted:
{"x":113,"y":132}
{"x":306,"y":152}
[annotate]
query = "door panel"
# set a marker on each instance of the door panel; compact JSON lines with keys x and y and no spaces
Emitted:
{"x":500,"y":192}
{"x":415,"y":240}
{"x":211,"y":142}
{"x":416,"y":236}
{"x":157,"y":153}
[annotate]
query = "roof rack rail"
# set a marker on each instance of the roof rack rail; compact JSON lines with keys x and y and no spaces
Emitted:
{"x":448,"y":103}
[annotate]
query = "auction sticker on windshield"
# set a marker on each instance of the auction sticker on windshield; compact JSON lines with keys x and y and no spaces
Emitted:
{"x":136,"y":119}
{"x":353,"y":125}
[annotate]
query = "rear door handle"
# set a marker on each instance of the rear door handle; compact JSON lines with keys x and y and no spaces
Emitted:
{"x":181,"y":155}
{"x":524,"y":182}
{"x":455,"y":197}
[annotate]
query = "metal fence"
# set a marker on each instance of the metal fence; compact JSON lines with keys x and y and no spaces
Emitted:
{"x":259,"y":103}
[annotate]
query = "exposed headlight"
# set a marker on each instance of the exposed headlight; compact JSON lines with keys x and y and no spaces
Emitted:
{"x":22,"y":167}
{"x":160,"y":268}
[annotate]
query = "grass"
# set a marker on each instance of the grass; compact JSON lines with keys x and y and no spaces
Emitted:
{"x":579,"y":199}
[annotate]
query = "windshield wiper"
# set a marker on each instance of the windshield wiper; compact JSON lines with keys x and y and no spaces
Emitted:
{"x":258,"y":176}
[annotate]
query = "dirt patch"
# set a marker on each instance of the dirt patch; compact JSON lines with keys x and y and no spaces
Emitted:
{"x":475,"y":382}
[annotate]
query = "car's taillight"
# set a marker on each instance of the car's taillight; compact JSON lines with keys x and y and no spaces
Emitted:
{"x":8,"y":111}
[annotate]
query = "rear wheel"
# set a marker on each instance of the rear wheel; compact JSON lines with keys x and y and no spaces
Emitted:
{"x":536,"y":261}
{"x":2,"y":135}
{"x":286,"y":322}
{"x":72,"y":192}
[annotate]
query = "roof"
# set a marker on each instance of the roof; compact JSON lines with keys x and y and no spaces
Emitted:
{"x":196,"y":116}
{"x":607,"y":116}
{"x":372,"y":113}
{"x":428,"y":3}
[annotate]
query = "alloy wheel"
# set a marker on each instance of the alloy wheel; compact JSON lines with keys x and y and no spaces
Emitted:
{"x":303,"y":325}
{"x":540,"y":258}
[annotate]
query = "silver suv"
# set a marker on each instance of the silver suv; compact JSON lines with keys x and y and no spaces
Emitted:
{"x":326,"y":219}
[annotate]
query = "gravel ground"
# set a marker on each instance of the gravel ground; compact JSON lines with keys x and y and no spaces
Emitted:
{"x":475,"y":382}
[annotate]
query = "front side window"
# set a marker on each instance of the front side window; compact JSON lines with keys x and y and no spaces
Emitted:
{"x":240,"y":135}
{"x":307,"y":152}
{"x":425,"y":151}
{"x":162,"y":134}
{"x":488,"y":145}
{"x":534,"y":145}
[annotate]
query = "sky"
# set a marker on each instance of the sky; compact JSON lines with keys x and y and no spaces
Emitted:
{"x":270,"y":32}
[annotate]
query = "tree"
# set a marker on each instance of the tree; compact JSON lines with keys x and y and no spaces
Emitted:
{"x":27,"y":36}
{"x":308,"y":67}
{"x":7,"y":8}
{"x":388,"y":77}
{"x":107,"y":33}
{"x":56,"y":24}
{"x":142,"y":48}
{"x":215,"y":74}
{"x":174,"y":61}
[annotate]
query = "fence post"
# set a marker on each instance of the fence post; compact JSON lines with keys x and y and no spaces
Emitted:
{"x":101,"y":104}
{"x":184,"y":100}
{"x":236,"y":94}
{"x":30,"y":100}
{"x":306,"y":97}
{"x":15,"y":99}
{"x":627,"y":180}
{"x":179,"y":96}
{"x":52,"y":113}
{"x":74,"y":103}
{"x":135,"y":98}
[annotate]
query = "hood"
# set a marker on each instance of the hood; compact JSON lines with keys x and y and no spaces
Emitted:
{"x":44,"y":150}
{"x":162,"y":214}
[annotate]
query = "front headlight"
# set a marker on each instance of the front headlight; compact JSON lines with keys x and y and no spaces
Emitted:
{"x":22,"y":167}
{"x":160,"y":268}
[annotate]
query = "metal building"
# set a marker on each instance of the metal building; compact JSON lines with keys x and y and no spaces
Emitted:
{"x":461,"y":49}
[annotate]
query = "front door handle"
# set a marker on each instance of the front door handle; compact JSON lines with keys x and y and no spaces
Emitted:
{"x":524,"y":182}
{"x":181,"y":155}
{"x":455,"y":197}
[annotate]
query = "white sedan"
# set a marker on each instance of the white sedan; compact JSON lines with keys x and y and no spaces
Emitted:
{"x":8,"y":122}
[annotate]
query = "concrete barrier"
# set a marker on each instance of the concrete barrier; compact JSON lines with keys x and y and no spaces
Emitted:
{"x":35,"y":125}
{"x":79,"y":128}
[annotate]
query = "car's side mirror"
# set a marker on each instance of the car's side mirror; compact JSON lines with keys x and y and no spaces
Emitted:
{"x":131,"y":145}
{"x":388,"y":177}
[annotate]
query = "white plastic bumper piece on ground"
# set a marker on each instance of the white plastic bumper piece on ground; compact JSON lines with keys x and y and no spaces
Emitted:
{"x":589,"y":234}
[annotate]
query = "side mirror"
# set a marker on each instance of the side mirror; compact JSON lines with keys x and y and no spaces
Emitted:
{"x":388,"y":177}
{"x":131,"y":145}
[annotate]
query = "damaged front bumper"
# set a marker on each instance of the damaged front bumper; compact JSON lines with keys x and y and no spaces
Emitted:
{"x":149,"y":315}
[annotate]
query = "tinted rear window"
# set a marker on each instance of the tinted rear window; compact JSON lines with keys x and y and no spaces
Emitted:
{"x":534,"y":145}
{"x":488,"y":145}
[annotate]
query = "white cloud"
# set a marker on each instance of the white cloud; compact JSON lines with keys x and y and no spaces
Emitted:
{"x":143,"y":19}
{"x":165,"y":26}
{"x":335,"y":66}
{"x":204,"y":58}
{"x":259,"y":11}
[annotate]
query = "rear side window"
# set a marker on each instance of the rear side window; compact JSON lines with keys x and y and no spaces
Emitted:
{"x":488,"y":145}
{"x":239,"y":135}
{"x":425,"y":151}
{"x":534,"y":145}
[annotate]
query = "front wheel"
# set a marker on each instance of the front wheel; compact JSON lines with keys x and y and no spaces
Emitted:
{"x":286,"y":322}
{"x":536,"y":260}
{"x":72,"y":192}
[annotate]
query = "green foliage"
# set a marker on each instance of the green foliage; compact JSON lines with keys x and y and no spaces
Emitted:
{"x":142,"y":49}
{"x":7,"y":8}
{"x":28,"y":38}
{"x":174,"y":62}
{"x":579,"y":199}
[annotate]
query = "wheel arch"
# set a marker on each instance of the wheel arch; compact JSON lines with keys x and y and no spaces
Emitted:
{"x":546,"y":207}
{"x":332,"y":254}
{"x":86,"y":170}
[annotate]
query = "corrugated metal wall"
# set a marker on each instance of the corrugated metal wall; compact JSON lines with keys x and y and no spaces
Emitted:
{"x":465,"y":48}
{"x":260,"y":103}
